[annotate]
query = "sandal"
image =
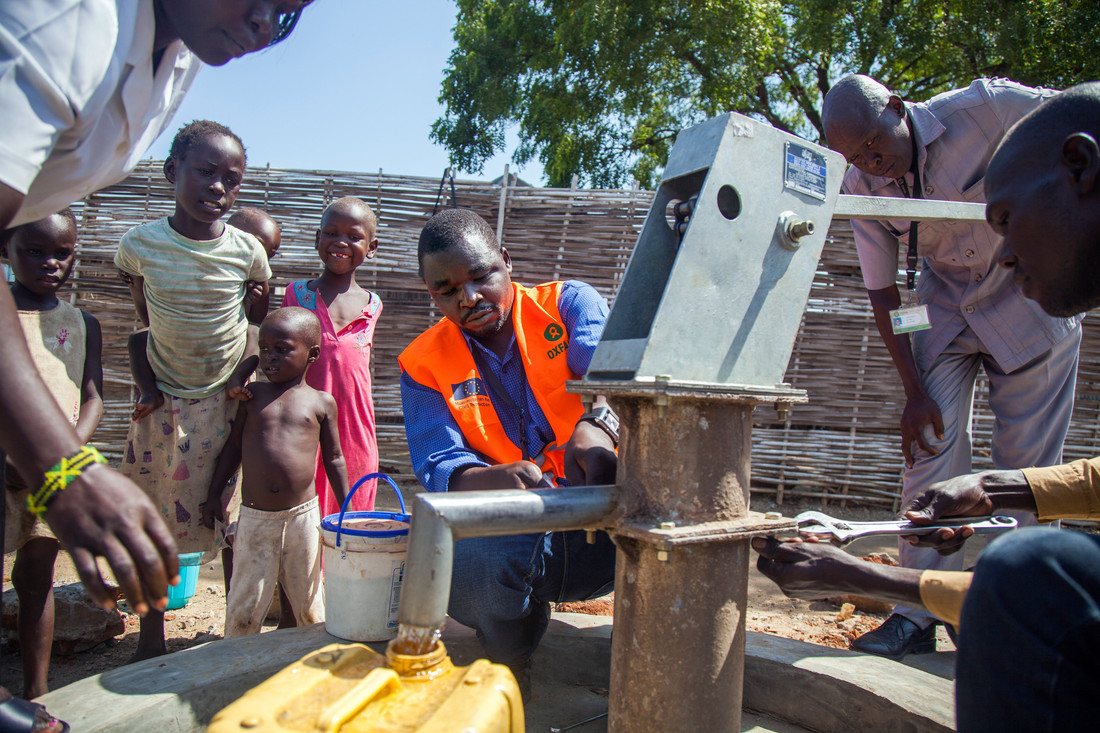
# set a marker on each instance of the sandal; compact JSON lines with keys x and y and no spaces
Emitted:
{"x":23,"y":716}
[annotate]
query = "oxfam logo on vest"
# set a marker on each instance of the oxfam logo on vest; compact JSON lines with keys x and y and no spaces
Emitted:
{"x":554,"y":332}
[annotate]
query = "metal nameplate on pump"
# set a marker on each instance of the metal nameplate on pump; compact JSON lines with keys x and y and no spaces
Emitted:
{"x":909,"y":319}
{"x":804,"y":170}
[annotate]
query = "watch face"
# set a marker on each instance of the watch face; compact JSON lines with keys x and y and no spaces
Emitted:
{"x":610,"y":419}
{"x":606,"y":418}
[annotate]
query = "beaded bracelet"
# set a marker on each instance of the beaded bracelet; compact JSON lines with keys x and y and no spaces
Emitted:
{"x":60,"y":476}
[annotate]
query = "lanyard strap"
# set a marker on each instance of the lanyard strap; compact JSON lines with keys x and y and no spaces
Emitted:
{"x":494,"y":385}
{"x":911,"y":254}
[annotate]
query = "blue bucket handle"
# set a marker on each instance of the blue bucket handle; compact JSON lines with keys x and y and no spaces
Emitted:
{"x":360,"y":482}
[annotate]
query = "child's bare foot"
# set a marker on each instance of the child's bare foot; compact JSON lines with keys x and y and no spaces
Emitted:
{"x":147,"y":404}
{"x":243,"y":394}
{"x":142,"y":653}
{"x":31,"y":692}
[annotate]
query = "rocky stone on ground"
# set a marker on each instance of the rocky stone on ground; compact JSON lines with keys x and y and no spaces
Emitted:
{"x":79,"y":624}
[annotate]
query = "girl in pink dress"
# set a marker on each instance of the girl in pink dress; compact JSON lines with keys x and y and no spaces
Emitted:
{"x":348,"y":315}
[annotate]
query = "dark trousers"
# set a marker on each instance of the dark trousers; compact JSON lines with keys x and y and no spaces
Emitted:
{"x":1029,"y":642}
{"x":503,"y":586}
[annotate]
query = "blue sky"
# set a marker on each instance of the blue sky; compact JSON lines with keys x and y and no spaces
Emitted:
{"x":354,"y":88}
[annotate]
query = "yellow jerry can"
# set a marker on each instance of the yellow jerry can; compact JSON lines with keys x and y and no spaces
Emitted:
{"x":350,"y":688}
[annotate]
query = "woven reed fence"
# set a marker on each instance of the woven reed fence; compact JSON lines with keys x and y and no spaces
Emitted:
{"x":842,"y":446}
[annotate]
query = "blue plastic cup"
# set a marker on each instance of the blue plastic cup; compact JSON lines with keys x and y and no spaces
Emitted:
{"x":179,"y":595}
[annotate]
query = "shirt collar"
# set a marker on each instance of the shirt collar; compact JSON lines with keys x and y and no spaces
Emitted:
{"x":175,"y":54}
{"x":473,"y":343}
{"x":146,"y":92}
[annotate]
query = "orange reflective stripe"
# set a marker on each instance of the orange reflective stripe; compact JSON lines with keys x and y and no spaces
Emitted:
{"x":440,"y":359}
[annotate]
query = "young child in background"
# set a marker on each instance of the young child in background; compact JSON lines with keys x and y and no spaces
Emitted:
{"x":259,"y":224}
{"x":65,"y":344}
{"x":275,"y":436}
{"x":187,"y":277}
{"x":348,"y":315}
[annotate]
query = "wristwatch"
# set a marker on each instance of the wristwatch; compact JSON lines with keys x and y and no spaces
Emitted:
{"x":606,"y":419}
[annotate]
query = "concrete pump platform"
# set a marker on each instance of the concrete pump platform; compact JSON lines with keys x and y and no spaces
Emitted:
{"x":789,"y":685}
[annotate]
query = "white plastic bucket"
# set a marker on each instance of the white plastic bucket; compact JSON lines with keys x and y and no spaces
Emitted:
{"x":364,"y":567}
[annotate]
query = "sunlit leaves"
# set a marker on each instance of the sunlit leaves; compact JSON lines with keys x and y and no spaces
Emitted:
{"x":599,"y":88}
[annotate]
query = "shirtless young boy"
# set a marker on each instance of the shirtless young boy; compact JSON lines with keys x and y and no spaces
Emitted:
{"x":274,"y":436}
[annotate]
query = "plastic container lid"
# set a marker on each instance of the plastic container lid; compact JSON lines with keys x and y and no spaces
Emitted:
{"x":368,"y":524}
{"x":344,"y":522}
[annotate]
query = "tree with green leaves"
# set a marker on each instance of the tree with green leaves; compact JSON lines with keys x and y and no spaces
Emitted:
{"x":599,"y":88}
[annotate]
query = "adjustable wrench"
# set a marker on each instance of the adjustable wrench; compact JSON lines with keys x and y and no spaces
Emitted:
{"x":840,"y":532}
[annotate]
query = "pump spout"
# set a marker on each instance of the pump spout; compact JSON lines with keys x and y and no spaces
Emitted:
{"x":440,"y":520}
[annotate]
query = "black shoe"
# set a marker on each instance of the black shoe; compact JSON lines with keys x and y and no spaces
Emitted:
{"x":897,"y":637}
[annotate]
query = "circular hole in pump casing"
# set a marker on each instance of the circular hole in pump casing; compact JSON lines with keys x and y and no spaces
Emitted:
{"x":729,"y":202}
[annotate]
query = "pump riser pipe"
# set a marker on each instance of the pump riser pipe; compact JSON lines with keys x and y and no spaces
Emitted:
{"x":678,"y":648}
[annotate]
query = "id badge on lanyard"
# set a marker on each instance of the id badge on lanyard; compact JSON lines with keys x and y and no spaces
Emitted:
{"x":910,"y":318}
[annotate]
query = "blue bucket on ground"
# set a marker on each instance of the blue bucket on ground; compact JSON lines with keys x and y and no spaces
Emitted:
{"x":364,"y":567}
{"x":179,"y":595}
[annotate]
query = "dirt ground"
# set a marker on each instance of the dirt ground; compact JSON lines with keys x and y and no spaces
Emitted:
{"x":203,"y":618}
